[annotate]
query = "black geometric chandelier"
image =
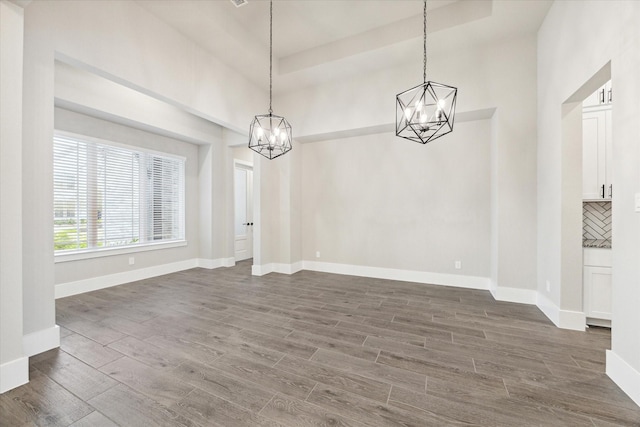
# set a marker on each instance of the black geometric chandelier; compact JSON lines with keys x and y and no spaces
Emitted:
{"x":425,"y":112}
{"x":270,"y":135}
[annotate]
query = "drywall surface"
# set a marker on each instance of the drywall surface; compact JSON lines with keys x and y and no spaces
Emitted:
{"x":386,"y":202}
{"x":13,"y":364}
{"x":570,"y":52}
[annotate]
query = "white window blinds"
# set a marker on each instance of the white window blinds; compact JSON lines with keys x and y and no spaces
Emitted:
{"x":108,"y":196}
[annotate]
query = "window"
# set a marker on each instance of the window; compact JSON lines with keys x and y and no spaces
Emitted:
{"x":110,"y":196}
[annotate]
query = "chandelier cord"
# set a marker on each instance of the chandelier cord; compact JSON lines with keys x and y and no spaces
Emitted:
{"x":424,"y":62}
{"x":271,"y":53}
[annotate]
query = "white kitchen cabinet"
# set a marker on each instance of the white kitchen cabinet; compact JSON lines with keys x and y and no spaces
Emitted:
{"x":597,"y":138}
{"x":602,"y":96}
{"x":597,"y":286}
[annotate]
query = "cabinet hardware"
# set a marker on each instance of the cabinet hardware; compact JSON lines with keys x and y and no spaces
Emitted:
{"x":610,"y":95}
{"x":603,"y":191}
{"x":601,"y":96}
{"x":611,"y":191}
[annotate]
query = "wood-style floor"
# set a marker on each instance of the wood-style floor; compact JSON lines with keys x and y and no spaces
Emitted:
{"x":223,"y":348}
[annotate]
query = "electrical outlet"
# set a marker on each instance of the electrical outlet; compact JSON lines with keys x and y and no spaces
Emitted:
{"x":458,"y":265}
{"x":132,"y":260}
{"x":317,"y":254}
{"x":548,"y":286}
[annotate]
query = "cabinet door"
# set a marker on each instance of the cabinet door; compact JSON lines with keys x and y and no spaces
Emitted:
{"x":599,"y":97}
{"x":593,"y":154}
{"x":608,"y":153}
{"x":597,"y":292}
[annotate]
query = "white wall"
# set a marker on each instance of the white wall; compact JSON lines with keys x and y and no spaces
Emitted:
{"x":72,"y":271}
{"x":501,"y":77}
{"x":570,"y":52}
{"x":381,"y":201}
{"x":13,"y":363}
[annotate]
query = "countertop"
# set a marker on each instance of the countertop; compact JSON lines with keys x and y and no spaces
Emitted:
{"x":599,"y":243}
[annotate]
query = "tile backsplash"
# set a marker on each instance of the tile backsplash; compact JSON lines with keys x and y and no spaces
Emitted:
{"x":596,"y":220}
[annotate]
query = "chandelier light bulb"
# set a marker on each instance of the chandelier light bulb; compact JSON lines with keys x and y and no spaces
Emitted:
{"x":407,"y":113}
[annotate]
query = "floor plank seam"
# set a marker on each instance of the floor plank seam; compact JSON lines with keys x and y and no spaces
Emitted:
{"x":267,"y":404}
{"x":313,"y":388}
{"x":283,"y":356}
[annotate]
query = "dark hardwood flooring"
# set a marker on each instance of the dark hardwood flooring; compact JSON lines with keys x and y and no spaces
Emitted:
{"x":223,"y":348}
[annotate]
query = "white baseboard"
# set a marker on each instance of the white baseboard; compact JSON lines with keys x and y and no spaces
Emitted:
{"x":216,"y":263}
{"x":14,"y":374}
{"x":624,"y":375}
{"x":41,"y":341}
{"x":261,"y":270}
{"x":565,"y":319}
{"x":274,"y":267}
{"x":521,"y":296}
{"x":101,"y":282}
{"x":460,"y":281}
{"x":287,"y":268}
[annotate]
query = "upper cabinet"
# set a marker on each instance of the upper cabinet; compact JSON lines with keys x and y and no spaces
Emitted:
{"x":597,"y":138}
{"x":602,"y":96}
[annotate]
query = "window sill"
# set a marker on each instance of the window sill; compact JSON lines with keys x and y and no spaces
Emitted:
{"x":99,"y":253}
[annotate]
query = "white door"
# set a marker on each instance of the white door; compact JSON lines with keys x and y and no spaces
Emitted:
{"x":243,"y":194}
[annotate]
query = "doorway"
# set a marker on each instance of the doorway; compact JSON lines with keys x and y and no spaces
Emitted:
{"x":578,"y":172}
{"x":243,"y":209}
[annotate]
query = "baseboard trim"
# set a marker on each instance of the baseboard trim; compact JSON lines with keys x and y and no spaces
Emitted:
{"x":94,"y":283}
{"x":41,"y":341}
{"x":471,"y":282}
{"x":261,"y":270}
{"x":287,"y":268}
{"x":624,"y":375}
{"x":216,"y":263}
{"x":565,"y":319}
{"x":521,"y":296}
{"x":14,"y":374}
{"x":274,"y":267}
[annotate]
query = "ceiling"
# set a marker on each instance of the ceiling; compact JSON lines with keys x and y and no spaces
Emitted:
{"x":320,"y":40}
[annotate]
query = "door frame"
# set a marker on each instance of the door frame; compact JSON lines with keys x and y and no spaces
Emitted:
{"x":243,"y":164}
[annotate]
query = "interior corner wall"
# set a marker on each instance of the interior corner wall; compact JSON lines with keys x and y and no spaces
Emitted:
{"x":570,"y":52}
{"x":79,"y":270}
{"x":501,"y":76}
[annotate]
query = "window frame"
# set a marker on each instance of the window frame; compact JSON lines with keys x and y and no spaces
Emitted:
{"x":97,"y":252}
